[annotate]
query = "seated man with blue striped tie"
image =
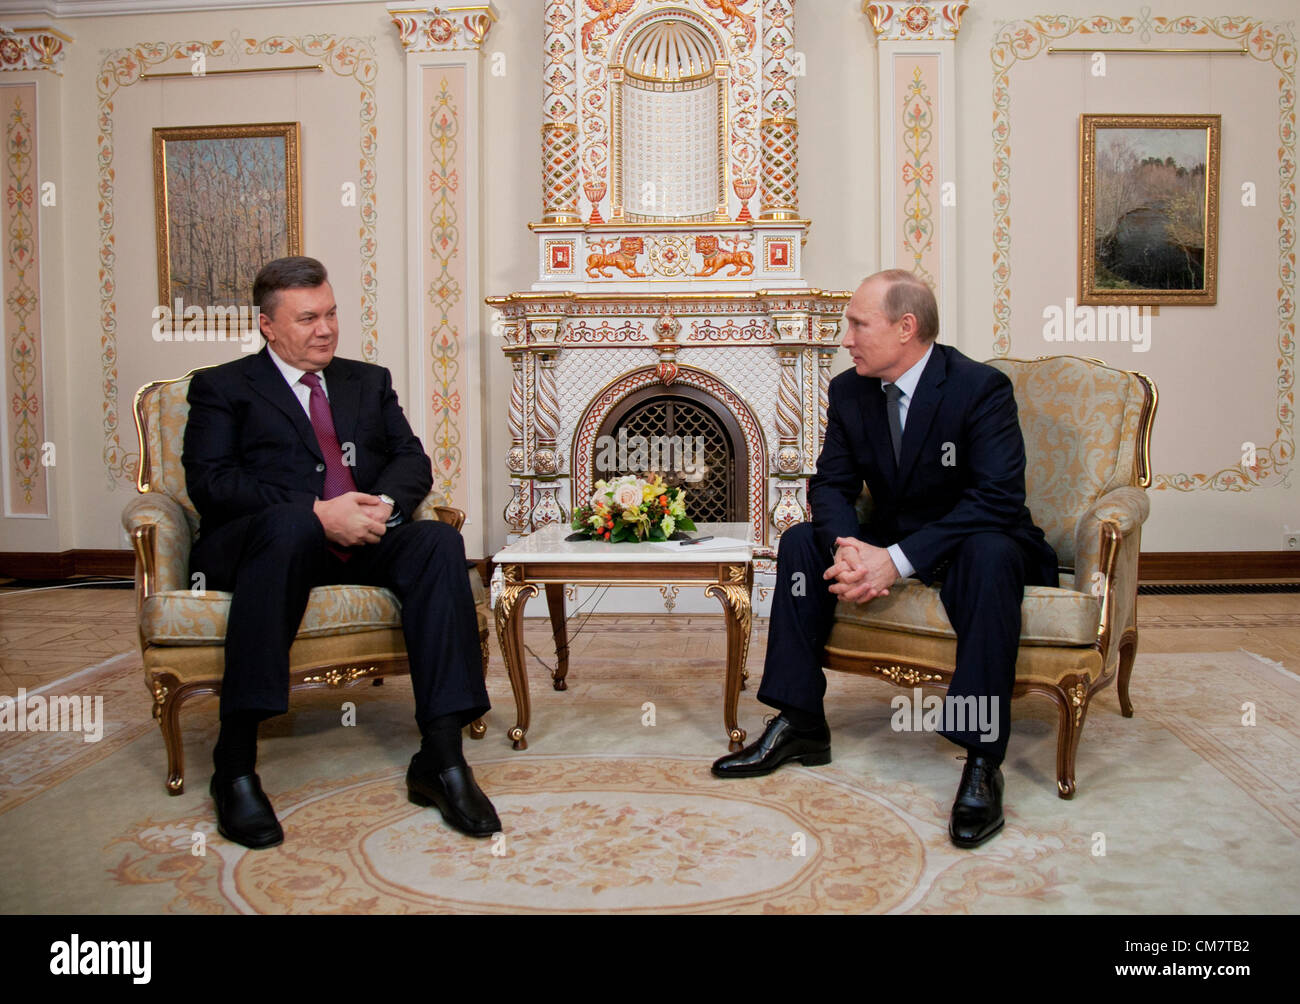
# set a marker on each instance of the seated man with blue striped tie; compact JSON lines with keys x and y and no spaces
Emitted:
{"x":306,"y":473}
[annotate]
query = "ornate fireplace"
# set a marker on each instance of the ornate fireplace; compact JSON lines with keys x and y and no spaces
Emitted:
{"x":666,"y":303}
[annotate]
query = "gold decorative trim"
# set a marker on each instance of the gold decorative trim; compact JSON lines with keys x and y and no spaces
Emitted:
{"x":443,"y":29}
{"x":1078,"y":695}
{"x":915,"y":22}
{"x":907,"y":676}
{"x":336,"y":678}
{"x":42,"y":48}
{"x":318,"y":67}
{"x":1054,"y":50}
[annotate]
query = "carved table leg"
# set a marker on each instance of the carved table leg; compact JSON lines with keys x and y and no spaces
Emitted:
{"x":510,"y":633}
{"x":734,"y":598}
{"x":555,"y":606}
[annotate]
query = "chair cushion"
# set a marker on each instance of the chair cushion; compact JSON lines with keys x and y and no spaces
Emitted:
{"x":187,"y":618}
{"x":1048,"y":616}
{"x":856,"y":647}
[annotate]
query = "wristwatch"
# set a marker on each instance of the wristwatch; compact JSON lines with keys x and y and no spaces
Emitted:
{"x":395,"y":516}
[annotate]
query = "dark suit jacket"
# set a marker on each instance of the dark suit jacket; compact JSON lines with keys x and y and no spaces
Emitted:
{"x":249,"y":444}
{"x":962,"y":469}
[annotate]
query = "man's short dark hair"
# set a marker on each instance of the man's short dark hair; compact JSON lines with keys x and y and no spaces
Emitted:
{"x":286,"y":273}
{"x":908,"y":294}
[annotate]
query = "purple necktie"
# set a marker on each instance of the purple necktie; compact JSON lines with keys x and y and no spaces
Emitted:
{"x":338,"y":477}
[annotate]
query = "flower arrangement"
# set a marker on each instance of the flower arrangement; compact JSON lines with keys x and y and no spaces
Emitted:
{"x":631,"y":509}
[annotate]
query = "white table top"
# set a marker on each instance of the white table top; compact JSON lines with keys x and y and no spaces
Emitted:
{"x":549,"y":545}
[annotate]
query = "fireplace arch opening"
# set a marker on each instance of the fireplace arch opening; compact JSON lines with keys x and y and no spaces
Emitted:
{"x":687,"y":437}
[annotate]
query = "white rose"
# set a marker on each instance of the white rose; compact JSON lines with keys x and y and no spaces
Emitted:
{"x":627,"y":496}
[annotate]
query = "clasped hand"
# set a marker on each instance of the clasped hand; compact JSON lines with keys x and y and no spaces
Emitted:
{"x":861,"y":572}
{"x":353,"y":519}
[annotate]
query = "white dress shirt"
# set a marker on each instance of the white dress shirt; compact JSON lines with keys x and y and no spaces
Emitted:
{"x":906,"y":385}
{"x":293,"y":376}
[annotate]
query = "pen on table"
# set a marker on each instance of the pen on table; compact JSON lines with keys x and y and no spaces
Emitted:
{"x":697,"y":540}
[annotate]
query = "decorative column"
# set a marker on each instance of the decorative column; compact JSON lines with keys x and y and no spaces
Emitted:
{"x":545,"y":469}
{"x":26,"y":449}
{"x":444,"y":66}
{"x":786,"y":463}
{"x":795,"y":419}
{"x":560,"y":147}
{"x":918,"y":142}
{"x":779,"y":129}
{"x":516,"y":513}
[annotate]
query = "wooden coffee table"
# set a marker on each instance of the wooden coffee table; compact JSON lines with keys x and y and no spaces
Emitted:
{"x":545,"y":559}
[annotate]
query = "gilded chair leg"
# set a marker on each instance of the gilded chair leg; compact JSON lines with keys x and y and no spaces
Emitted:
{"x":477,"y":728}
{"x":1072,"y":708}
{"x":169,"y":720}
{"x":1128,"y":647}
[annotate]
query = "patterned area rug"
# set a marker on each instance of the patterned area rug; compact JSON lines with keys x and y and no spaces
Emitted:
{"x":1181,"y":809}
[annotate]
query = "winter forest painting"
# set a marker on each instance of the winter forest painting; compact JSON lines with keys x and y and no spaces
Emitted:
{"x":229,"y":206}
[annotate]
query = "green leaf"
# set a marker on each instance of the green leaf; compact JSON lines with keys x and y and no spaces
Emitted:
{"x":685,"y":523}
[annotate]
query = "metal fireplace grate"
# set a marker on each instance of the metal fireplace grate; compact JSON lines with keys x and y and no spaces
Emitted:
{"x":705,"y":465}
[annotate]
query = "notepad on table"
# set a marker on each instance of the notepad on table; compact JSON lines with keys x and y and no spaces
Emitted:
{"x":714,"y":544}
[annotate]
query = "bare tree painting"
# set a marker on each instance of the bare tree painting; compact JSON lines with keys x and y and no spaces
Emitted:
{"x":1149,"y":230}
{"x":228,"y":202}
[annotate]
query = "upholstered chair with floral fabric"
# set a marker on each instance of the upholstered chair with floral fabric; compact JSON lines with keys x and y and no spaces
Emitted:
{"x":348,"y":633}
{"x":1087,"y":430}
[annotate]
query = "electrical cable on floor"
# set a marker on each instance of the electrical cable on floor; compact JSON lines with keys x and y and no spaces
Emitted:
{"x":598,"y":596}
{"x":9,"y":591}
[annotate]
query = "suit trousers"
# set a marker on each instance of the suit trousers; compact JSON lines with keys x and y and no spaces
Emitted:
{"x":982,"y":588}
{"x":271,"y":561}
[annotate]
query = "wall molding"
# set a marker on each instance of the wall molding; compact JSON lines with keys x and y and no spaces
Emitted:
{"x":1269,"y":44}
{"x":344,"y":56}
{"x":109,"y":8}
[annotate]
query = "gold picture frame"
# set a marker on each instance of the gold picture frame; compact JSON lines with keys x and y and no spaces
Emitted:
{"x":1149,"y":209}
{"x":227,"y":200}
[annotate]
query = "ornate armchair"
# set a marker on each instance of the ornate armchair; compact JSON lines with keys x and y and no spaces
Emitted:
{"x":1087,"y":430}
{"x":348,"y":633}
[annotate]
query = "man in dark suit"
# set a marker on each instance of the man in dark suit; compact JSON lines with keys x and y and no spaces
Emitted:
{"x":305,"y":473}
{"x":936,"y":439}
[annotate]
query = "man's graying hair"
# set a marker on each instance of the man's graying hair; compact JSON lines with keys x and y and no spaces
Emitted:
{"x":282,"y":274}
{"x":906,"y":294}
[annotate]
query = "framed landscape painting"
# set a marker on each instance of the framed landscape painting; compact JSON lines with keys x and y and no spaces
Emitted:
{"x":227,"y":200}
{"x":1149,"y":209}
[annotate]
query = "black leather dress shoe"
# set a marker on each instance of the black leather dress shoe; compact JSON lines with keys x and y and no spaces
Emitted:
{"x":456,"y":794}
{"x":780,"y":742}
{"x":244,"y":813}
{"x":977,"y":812}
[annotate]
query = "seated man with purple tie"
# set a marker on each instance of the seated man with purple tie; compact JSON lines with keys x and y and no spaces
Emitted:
{"x":306,"y":473}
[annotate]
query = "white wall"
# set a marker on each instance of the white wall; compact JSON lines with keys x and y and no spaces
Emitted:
{"x":1217,"y":367}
